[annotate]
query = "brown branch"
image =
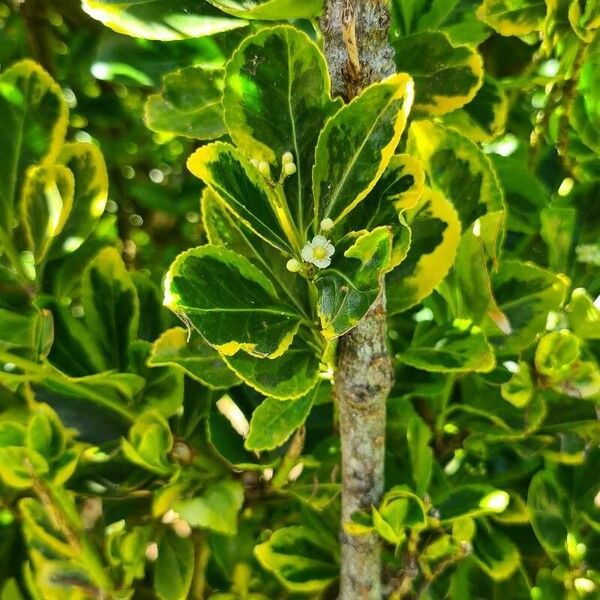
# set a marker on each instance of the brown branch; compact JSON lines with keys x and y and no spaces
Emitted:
{"x":357,"y":52}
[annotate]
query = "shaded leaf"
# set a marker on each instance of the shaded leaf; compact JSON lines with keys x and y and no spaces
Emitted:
{"x":174,"y":567}
{"x":189,"y":104}
{"x":194,"y":356}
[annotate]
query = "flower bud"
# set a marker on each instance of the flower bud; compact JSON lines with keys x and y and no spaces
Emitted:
{"x":182,"y":528}
{"x":152,"y":551}
{"x":326,"y":224}
{"x":264,"y":169}
{"x":293,"y":265}
{"x":255,"y":162}
{"x":288,"y":157}
{"x":289,"y":168}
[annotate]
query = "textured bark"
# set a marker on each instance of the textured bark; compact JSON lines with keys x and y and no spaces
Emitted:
{"x":357,"y":51}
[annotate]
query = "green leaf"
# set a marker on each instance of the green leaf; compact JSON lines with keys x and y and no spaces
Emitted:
{"x":526,"y":196}
{"x":348,"y":288}
{"x":274,"y":421}
{"x":45,"y":433}
{"x":230,"y":302}
{"x":446,"y":77}
{"x":519,"y":389}
{"x":245,"y":192}
{"x":558,"y":230}
{"x":456,"y":347}
{"x":356,"y":146}
{"x":19,"y":331}
{"x":194,"y":356}
{"x":276,"y":100}
{"x":290,"y":375}
{"x":435,"y":234}
{"x":163,"y":389}
{"x":46,"y":202}
{"x":19,"y":465}
{"x":297,"y":557}
{"x":189,"y":104}
{"x":584,"y":317}
{"x":174,"y":568}
{"x":34,"y":124}
{"x":483,"y":118}
{"x":418,"y":436}
{"x":525,"y":294}
{"x":150,"y":441}
{"x":86,"y":163}
{"x":11,"y":591}
{"x":216,"y":509}
{"x":513,"y":17}
{"x":472,"y":500}
{"x":270,"y":10}
{"x":399,"y":509}
{"x":495,"y":553}
{"x":111,"y":306}
{"x":458,"y":168}
{"x":161,"y":19}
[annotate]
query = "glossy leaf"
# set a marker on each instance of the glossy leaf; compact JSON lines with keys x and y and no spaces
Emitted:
{"x":194,"y":356}
{"x":484,"y":117}
{"x":216,"y":509}
{"x":297,"y":557}
{"x":584,"y":316}
{"x":274,"y":421}
{"x":458,"y":347}
{"x":244,"y":191}
{"x":35,"y":118}
{"x":349,"y":287}
{"x":446,"y":77}
{"x":276,"y":10}
{"x":161,"y":19}
{"x":513,"y":17}
{"x":86,"y":163}
{"x":46,"y":202}
{"x":276,"y":100}
{"x":435,"y":234}
{"x":290,"y":375}
{"x":230,"y":302}
{"x":111,"y":306}
{"x":189,"y":104}
{"x":357,"y":144}
{"x":463,"y":173}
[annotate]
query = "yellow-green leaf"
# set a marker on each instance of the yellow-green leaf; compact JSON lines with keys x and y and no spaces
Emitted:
{"x":484,"y":117}
{"x":276,"y":10}
{"x":46,"y":202}
{"x":245,"y":192}
{"x":34,"y":123}
{"x":166,"y":20}
{"x":194,"y":356}
{"x":459,"y":169}
{"x":356,"y":146}
{"x":274,"y":421}
{"x":446,"y":77}
{"x":513,"y":17}
{"x":230,"y":302}
{"x":276,"y":100}
{"x":435,"y":235}
{"x":349,"y":287}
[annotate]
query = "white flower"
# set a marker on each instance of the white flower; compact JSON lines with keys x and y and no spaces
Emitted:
{"x":318,"y":252}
